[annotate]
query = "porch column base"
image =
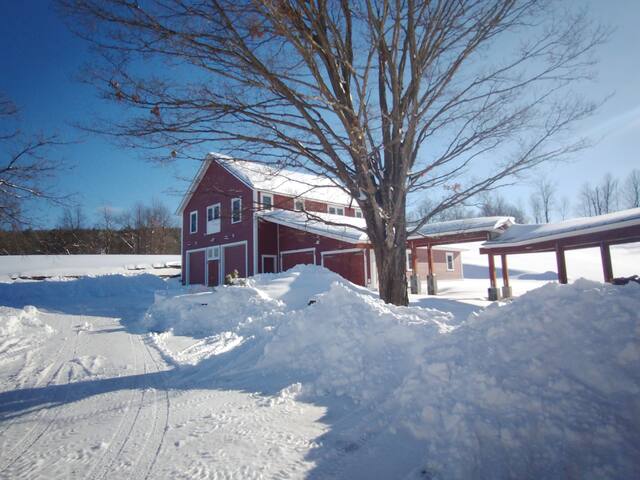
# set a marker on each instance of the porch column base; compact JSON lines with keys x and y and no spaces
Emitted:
{"x":432,"y":284}
{"x":416,"y":285}
{"x":507,"y":292}
{"x":494,"y":294}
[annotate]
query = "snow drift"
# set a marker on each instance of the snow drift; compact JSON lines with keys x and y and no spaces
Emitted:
{"x":546,"y":386}
{"x":21,"y":330}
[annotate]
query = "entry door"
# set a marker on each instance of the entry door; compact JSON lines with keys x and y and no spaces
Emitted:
{"x":268,"y":264}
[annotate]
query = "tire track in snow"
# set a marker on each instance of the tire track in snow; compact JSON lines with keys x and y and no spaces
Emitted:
{"x":121,"y":436}
{"x":34,"y":434}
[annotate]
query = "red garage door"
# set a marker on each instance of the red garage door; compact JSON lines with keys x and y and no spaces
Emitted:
{"x":235,"y":258}
{"x":196,"y":267}
{"x":291,"y":259}
{"x":350,"y":265}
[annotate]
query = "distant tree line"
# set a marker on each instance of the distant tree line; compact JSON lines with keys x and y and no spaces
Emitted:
{"x":143,"y":229}
{"x":606,"y":196}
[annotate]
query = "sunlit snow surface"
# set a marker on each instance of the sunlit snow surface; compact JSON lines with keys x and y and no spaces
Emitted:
{"x":303,"y":375}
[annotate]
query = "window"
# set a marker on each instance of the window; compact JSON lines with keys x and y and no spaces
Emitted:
{"x":336,"y":210}
{"x":236,"y":210}
{"x":213,"y":253}
{"x":358,"y":213}
{"x":267,"y":201}
{"x":409,"y":261}
{"x":450,"y":263}
{"x":298,"y":204}
{"x":193,"y":222}
{"x":213,"y":219}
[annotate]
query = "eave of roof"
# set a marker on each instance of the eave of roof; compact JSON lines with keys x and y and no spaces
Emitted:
{"x":528,"y":235}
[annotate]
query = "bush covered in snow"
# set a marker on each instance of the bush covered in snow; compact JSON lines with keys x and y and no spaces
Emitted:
{"x":546,"y":386}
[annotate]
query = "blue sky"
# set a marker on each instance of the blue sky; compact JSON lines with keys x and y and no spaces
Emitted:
{"x":40,"y":60}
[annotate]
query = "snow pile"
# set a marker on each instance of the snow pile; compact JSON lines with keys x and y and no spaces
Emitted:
{"x":546,"y":386}
{"x":352,"y":344}
{"x":21,"y":330}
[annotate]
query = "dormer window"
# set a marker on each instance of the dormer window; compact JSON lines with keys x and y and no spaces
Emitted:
{"x":298,"y":204}
{"x":335,"y":210}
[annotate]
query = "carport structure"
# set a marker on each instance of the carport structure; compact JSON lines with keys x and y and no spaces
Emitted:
{"x":448,"y":233}
{"x":601,"y":231}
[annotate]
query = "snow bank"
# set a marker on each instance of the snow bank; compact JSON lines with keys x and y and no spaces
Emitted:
{"x":21,"y":330}
{"x":546,"y":386}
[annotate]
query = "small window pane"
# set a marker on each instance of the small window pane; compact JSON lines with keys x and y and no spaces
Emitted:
{"x":332,"y":210}
{"x":209,"y":214}
{"x":267,"y":202}
{"x":193,"y":219}
{"x":358,"y":213}
{"x":298,"y":205}
{"x":235,"y":210}
{"x":216,"y":212}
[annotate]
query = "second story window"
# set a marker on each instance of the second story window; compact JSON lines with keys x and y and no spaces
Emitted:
{"x":193,"y":222}
{"x":298,"y":204}
{"x":335,"y":210}
{"x":236,"y":210}
{"x":213,"y":219}
{"x":267,"y":201}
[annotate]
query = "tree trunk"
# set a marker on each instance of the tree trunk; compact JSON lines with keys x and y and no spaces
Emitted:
{"x":392,"y":273}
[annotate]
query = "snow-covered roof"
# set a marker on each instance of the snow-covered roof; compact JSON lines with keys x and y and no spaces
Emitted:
{"x":464,"y":225}
{"x":517,"y":235}
{"x":269,"y":178}
{"x":301,"y":221}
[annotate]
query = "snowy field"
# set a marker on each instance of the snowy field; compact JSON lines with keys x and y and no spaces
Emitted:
{"x":303,"y":375}
{"x":13,"y":267}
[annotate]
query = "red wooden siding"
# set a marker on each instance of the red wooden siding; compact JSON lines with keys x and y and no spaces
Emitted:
{"x":268,"y":264}
{"x":439,"y":264}
{"x":219,"y":186}
{"x":350,"y":265}
{"x":196,"y":267}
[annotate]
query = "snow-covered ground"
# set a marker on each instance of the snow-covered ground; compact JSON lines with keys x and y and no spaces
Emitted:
{"x":303,"y":375}
{"x":27,"y":266}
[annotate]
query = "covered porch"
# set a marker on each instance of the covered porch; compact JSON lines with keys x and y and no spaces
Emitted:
{"x":601,"y":231}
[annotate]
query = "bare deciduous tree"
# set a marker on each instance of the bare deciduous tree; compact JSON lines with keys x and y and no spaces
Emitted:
{"x":631,"y":189}
{"x":600,"y":199}
{"x":26,"y":167}
{"x":385,"y":98}
{"x":496,"y":205}
{"x":543,"y":200}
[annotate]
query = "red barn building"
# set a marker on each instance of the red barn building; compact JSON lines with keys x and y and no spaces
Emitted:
{"x":255,"y":218}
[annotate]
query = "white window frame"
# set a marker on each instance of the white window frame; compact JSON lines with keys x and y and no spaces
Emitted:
{"x":191,"y":215}
{"x":210,"y":224}
{"x":295,"y":206}
{"x":336,"y":209}
{"x":447,"y":256}
{"x":357,"y":213}
{"x":239,"y":210}
{"x":213,"y":253}
{"x":262,"y":197}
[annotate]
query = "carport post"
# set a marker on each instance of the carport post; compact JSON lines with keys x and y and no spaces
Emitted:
{"x":562,"y":264}
{"x":416,"y":288}
{"x":607,"y":269}
{"x":506,"y":288}
{"x":432,"y":282}
{"x":494,"y":293}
